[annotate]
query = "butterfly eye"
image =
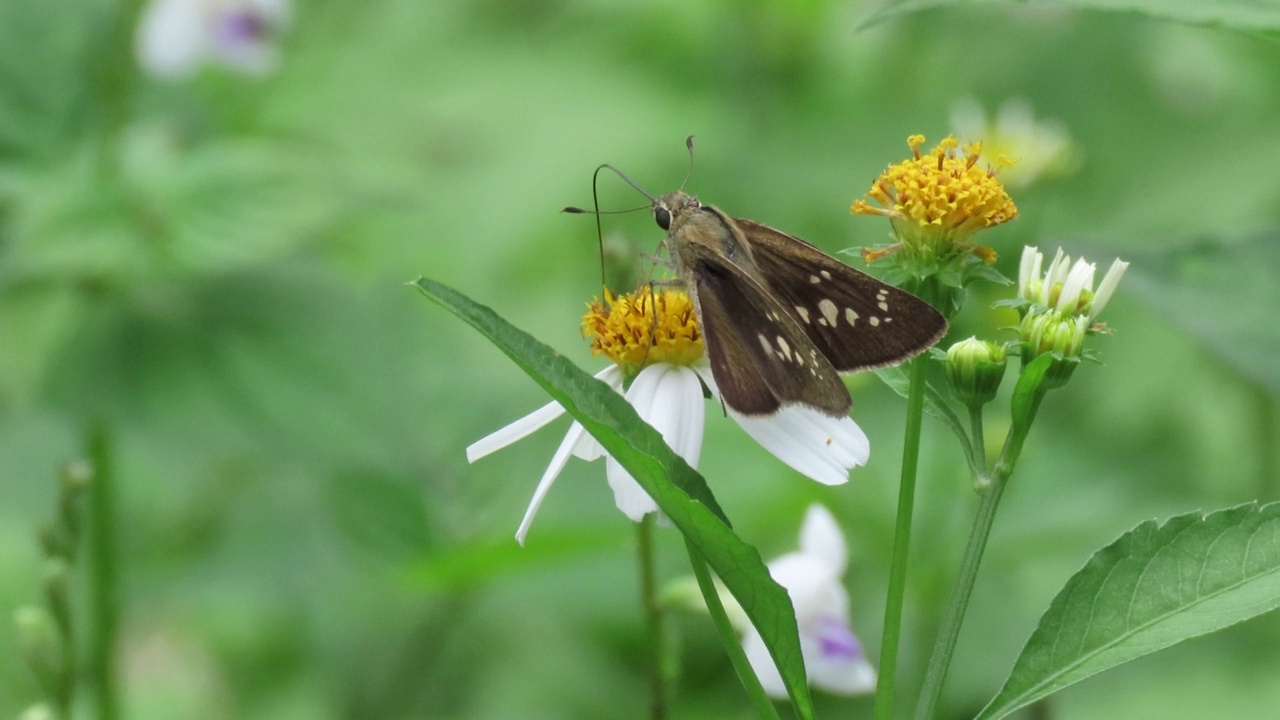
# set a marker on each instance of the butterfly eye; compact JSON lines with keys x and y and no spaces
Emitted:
{"x":663,"y":216}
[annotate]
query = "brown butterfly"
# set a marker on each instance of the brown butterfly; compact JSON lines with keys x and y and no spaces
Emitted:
{"x":781,"y":318}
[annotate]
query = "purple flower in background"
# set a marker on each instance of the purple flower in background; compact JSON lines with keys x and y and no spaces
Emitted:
{"x":833,"y":657}
{"x":176,"y":37}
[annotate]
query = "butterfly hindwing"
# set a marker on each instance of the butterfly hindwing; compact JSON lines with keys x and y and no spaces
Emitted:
{"x":856,"y":321}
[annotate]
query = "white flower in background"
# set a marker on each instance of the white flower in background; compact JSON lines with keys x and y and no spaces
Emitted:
{"x":813,"y":576}
{"x":176,"y":37}
{"x":667,"y":361}
{"x":1039,"y":149}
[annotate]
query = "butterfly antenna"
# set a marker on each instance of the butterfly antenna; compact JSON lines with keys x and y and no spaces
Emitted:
{"x":688,"y":143}
{"x":595,"y":202}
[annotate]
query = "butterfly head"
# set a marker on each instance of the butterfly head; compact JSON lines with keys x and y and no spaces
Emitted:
{"x":671,"y":209}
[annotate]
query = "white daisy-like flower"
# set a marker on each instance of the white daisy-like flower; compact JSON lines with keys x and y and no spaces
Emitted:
{"x":669,"y":368}
{"x":176,"y":37}
{"x":1065,"y":287}
{"x":813,"y":576}
{"x":1039,"y":148}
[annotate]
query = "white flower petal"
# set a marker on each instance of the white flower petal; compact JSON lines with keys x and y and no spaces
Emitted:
{"x":630,"y":498}
{"x":820,"y":537}
{"x":171,"y":39}
{"x":819,"y":446}
{"x":1079,"y":279}
{"x":1108,"y":287}
{"x":763,"y":665}
{"x":1028,"y":270}
{"x":517,"y":430}
{"x":669,"y":398}
{"x":588,"y":448}
{"x":553,"y":471}
{"x":532,"y":422}
{"x":814,"y":586}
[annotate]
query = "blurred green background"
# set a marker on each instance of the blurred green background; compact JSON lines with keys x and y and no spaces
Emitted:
{"x":215,"y":271}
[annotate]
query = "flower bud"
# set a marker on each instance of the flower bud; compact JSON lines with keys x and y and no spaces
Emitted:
{"x":1061,"y":336}
{"x":41,"y":646}
{"x":975,"y":368}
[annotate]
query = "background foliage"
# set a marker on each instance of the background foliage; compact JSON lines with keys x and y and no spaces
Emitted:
{"x":302,"y":535}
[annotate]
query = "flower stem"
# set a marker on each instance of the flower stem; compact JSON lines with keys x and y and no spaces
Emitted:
{"x":103,"y":599}
{"x":901,"y":541}
{"x":113,"y":71}
{"x":653,"y":619}
{"x":990,"y":488}
{"x":759,"y":699}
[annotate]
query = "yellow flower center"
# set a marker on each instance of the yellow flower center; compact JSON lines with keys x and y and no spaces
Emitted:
{"x":941,"y":198}
{"x":642,"y":328}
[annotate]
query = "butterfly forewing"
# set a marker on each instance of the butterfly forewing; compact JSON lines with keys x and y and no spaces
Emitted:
{"x":856,"y":321}
{"x":759,"y":355}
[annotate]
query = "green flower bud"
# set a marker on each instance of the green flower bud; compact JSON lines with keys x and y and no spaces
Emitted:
{"x":1063,"y":337}
{"x":975,"y":368}
{"x":41,"y":647}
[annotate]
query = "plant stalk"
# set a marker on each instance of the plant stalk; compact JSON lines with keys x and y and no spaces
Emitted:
{"x":103,"y":563}
{"x":654,"y":619}
{"x":901,"y":541}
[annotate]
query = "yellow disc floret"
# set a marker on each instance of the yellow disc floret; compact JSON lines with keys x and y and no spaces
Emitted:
{"x":936,"y":201}
{"x":642,"y":328}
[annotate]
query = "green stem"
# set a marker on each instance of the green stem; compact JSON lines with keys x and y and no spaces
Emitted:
{"x":728,"y":637}
{"x":103,"y":556}
{"x":901,"y":541}
{"x":113,"y":70}
{"x":977,"y":440}
{"x":990,"y":489}
{"x":653,"y":619}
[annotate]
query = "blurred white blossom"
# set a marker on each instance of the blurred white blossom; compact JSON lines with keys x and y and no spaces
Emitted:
{"x":176,"y":37}
{"x":1039,"y":149}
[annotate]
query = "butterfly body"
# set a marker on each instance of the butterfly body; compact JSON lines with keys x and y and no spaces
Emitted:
{"x":781,"y":318}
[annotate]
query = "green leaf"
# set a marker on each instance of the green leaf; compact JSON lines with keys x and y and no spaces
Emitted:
{"x":1221,"y":294}
{"x":676,"y":488}
{"x":1155,"y":586}
{"x":1247,"y":15}
{"x":1027,"y":393}
{"x":934,"y":404}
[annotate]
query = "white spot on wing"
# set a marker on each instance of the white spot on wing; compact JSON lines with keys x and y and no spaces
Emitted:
{"x":764,"y":343}
{"x":815,"y":279}
{"x":850,"y":316}
{"x":829,"y":311}
{"x":874,"y":321}
{"x":884,"y":306}
{"x":784,"y":348}
{"x":803,"y":312}
{"x":825,"y":275}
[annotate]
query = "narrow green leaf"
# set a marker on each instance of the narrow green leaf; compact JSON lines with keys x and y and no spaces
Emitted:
{"x":676,"y":488}
{"x":1155,"y":586}
{"x":1027,"y":393}
{"x":1246,"y":15}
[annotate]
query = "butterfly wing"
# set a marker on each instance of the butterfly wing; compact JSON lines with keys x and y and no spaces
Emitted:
{"x":760,"y":357}
{"x":855,"y":321}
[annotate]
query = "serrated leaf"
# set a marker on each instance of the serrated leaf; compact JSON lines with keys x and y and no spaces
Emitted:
{"x":1247,"y":15}
{"x":678,"y":489}
{"x":1157,"y":585}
